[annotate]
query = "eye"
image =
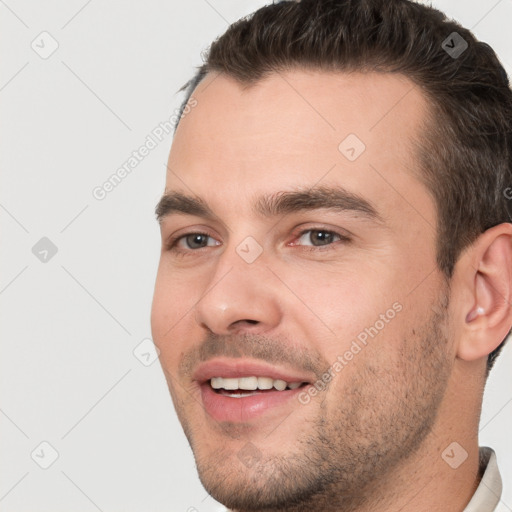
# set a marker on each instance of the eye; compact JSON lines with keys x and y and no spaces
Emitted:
{"x":318,"y":237}
{"x":192,"y":241}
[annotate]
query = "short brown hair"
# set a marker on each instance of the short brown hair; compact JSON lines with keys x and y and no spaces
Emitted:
{"x":466,"y":152}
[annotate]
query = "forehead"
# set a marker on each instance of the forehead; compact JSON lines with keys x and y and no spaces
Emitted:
{"x":300,"y":129}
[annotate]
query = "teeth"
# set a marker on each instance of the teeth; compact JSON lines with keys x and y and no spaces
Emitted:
{"x":216,"y":382}
{"x":279,"y":384}
{"x":252,"y":383}
{"x":265,"y":383}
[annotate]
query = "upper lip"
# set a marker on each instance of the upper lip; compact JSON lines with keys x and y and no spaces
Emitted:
{"x":236,"y":368}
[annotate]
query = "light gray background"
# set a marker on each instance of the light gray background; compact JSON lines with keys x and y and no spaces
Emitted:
{"x":69,"y":325}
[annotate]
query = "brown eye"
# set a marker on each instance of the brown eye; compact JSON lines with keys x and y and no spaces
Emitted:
{"x":318,"y":237}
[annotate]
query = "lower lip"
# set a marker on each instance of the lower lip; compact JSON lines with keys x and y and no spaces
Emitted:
{"x":226,"y":408}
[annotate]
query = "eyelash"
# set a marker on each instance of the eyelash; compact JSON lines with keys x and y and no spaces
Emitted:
{"x":172,"y":244}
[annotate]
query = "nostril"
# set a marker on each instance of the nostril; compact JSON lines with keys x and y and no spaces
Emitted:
{"x":241,"y":323}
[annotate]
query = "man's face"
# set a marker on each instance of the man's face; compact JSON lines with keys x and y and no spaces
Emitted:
{"x":304,"y":253}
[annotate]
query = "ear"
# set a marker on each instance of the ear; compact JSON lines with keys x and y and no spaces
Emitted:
{"x":484,"y":279}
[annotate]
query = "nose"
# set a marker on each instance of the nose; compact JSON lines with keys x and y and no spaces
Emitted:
{"x":240,"y":297}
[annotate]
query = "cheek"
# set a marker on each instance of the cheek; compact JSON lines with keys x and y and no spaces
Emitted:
{"x":343,"y":303}
{"x":171,"y":311}
{"x":369,"y":354}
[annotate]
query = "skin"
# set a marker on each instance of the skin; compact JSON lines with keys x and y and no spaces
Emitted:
{"x":373,"y":439}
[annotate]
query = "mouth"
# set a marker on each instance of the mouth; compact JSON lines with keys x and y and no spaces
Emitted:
{"x":242,"y":390}
{"x":250,"y":386}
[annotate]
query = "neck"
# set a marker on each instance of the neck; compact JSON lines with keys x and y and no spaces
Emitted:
{"x":429,"y":481}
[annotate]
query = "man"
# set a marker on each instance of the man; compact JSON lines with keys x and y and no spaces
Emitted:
{"x":335,"y":278}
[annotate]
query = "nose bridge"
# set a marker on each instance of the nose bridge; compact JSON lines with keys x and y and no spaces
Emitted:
{"x":238,"y":291}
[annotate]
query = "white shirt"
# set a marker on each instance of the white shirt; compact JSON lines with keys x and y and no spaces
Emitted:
{"x":488,"y":494}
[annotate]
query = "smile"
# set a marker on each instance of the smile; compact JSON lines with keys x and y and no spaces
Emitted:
{"x":237,"y":390}
{"x":237,"y":386}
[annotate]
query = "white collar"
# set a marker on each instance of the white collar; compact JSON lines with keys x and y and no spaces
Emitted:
{"x":488,"y":493}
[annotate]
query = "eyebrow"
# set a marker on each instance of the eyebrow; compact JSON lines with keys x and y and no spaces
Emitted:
{"x":281,"y":203}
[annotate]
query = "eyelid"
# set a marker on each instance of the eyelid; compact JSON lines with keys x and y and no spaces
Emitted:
{"x":345,"y":236}
{"x":172,"y":240}
{"x":171,"y":243}
{"x":340,"y":233}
